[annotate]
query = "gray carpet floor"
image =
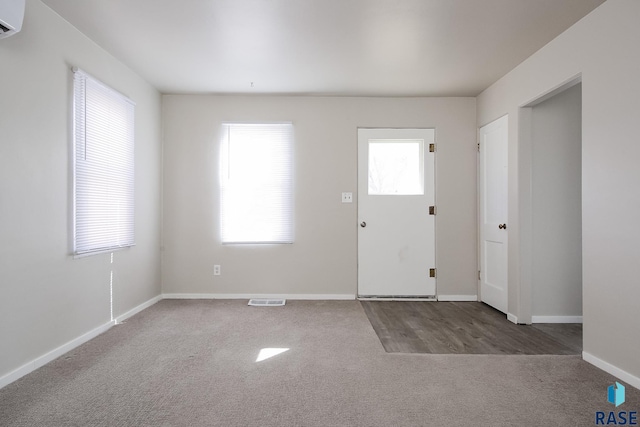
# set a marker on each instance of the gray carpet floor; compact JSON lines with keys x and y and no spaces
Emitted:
{"x":193,"y":363}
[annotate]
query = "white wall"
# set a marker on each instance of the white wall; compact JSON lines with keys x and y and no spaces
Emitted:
{"x":557,"y":206}
{"x":323,"y":259}
{"x":601,"y":47}
{"x":48,"y":298}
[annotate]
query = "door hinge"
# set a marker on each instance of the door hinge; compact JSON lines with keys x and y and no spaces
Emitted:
{"x":432,"y":148}
{"x":432,"y":272}
{"x":478,"y":146}
{"x":479,"y":278}
{"x":432,"y":210}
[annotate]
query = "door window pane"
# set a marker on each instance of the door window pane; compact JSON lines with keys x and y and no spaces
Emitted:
{"x":396,"y":167}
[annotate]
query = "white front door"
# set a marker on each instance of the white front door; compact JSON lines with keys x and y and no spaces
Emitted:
{"x":493,"y":214}
{"x":396,"y":233}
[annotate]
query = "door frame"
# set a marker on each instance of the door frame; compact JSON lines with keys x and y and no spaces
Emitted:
{"x":524,"y":255}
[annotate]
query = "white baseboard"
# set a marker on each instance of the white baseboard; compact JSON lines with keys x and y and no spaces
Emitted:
{"x":556,"y":319}
{"x":270,"y":296}
{"x":457,"y":297}
{"x":512,"y":318}
{"x":52,"y":355}
{"x":137,"y":309}
{"x":432,"y":299}
{"x":613,"y":370}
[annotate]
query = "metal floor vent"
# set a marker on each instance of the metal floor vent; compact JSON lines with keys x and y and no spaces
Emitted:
{"x":263,"y":302}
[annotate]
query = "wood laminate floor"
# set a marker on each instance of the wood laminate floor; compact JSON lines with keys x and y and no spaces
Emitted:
{"x":464,"y":328}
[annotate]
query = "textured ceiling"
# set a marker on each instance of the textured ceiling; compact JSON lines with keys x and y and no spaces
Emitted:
{"x":325,"y":47}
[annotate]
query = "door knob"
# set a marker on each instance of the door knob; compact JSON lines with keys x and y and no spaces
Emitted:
{"x":502,"y":226}
{"x":363,"y":224}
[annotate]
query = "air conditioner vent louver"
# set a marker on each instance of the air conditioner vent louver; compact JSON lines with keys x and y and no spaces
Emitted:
{"x":4,"y":29}
{"x":261,"y":302}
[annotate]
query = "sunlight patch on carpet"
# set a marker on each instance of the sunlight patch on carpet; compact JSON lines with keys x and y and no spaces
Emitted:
{"x":267,"y":353}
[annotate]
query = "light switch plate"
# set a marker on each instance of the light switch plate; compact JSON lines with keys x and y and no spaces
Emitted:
{"x":347,"y":197}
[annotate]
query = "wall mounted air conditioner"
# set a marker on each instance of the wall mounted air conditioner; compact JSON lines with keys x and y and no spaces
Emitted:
{"x":11,"y":17}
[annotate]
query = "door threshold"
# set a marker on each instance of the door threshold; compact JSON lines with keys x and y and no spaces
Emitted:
{"x":396,"y":298}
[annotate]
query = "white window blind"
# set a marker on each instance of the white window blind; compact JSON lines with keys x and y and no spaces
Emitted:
{"x":104,"y":167}
{"x":257,"y":183}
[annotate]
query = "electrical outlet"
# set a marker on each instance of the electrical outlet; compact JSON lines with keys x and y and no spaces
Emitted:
{"x":216,"y":270}
{"x":347,"y":197}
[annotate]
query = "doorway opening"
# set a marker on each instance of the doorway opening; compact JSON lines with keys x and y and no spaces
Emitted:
{"x":551,"y":238}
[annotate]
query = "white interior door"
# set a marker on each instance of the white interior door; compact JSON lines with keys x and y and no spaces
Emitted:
{"x":493,"y":214}
{"x":396,"y":233}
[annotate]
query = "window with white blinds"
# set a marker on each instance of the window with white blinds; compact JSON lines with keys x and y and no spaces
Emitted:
{"x":257,"y":183}
{"x":103,"y":167}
